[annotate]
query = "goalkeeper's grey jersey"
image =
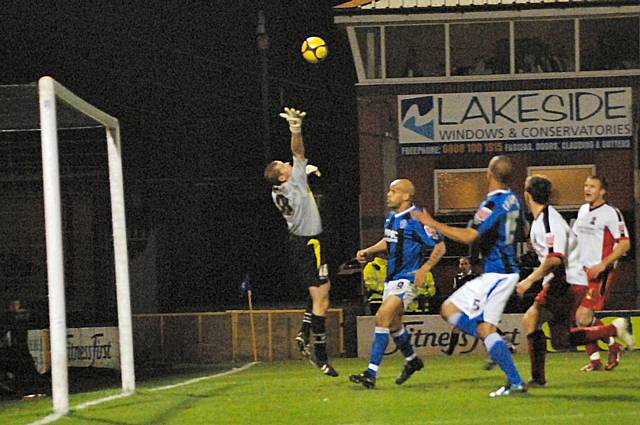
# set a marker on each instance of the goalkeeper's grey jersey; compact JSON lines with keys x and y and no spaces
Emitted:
{"x":295,"y":201}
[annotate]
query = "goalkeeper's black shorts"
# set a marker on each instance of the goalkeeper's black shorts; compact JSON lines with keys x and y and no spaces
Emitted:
{"x":308,"y":258}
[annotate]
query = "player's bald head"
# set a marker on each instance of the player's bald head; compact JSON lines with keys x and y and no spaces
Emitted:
{"x":404,"y":186}
{"x":501,"y":168}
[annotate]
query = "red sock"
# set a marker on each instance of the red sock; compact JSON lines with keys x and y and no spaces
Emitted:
{"x":584,"y":334}
{"x":592,"y":348}
{"x":605,"y":339}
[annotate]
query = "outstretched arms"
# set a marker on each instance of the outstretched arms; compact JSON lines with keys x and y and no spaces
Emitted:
{"x":294,"y":118}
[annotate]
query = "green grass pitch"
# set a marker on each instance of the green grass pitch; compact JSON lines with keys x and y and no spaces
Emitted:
{"x":449,"y":391}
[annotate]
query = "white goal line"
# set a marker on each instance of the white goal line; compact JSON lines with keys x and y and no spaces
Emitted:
{"x":55,"y":416}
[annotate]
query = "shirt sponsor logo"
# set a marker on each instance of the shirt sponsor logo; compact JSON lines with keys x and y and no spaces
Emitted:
{"x":482,"y":214}
{"x":549,"y":239}
{"x":433,"y":233}
{"x":391,"y":236}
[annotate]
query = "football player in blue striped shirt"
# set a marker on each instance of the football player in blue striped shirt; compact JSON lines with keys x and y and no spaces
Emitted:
{"x":404,"y":238}
{"x":476,"y":308}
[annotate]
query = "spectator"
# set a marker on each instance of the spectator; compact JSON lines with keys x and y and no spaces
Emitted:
{"x":465,"y":272}
{"x":18,"y":374}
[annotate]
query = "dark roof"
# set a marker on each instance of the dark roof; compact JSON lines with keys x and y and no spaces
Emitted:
{"x":408,"y":6}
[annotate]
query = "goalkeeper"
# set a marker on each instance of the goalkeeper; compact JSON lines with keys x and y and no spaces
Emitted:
{"x":294,"y":199}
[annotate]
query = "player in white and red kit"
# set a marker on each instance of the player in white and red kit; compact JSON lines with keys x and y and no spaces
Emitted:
{"x":564,"y":284}
{"x":602,"y":239}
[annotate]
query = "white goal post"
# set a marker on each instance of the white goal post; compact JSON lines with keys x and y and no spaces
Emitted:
{"x":49,"y":92}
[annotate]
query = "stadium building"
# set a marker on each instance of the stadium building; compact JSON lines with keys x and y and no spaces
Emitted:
{"x":443,"y":85}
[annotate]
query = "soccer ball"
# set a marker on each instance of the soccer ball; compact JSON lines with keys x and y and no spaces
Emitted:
{"x":314,"y":49}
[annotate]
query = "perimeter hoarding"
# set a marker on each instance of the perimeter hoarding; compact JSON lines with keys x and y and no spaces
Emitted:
{"x":431,"y":335}
{"x":86,"y":347}
{"x":515,"y":121}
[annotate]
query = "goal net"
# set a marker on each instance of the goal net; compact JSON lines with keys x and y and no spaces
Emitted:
{"x":48,"y":109}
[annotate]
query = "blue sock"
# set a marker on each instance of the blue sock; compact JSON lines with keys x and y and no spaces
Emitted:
{"x":402,"y":338}
{"x":380,"y":342}
{"x":462,"y":322}
{"x":501,"y":354}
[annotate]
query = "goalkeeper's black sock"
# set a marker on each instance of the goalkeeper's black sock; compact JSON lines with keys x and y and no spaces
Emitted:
{"x":319,"y":338}
{"x":305,"y":330}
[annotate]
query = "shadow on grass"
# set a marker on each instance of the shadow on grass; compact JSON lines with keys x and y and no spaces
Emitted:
{"x":591,"y":398}
{"x":182,"y":403}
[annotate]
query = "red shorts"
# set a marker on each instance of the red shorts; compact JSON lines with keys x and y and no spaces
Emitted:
{"x":562,"y":305}
{"x":599,"y":291}
{"x":565,"y":306}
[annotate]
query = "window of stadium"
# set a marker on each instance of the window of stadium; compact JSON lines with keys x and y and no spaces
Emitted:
{"x":369,"y":45}
{"x":607,"y":44}
{"x":568,"y":181}
{"x":415,"y":51}
{"x":545,"y":46}
{"x":459,"y":190}
{"x":480,"y":49}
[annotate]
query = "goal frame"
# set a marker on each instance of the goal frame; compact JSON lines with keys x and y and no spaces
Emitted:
{"x":50,"y":91}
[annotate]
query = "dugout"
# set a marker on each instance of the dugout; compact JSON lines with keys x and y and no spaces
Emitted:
{"x":443,"y":85}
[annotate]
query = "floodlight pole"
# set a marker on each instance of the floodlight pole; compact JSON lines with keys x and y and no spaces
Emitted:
{"x":53,"y":230}
{"x":263,"y":46}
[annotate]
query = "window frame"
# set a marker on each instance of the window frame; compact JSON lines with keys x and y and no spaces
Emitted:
{"x":436,"y":193}
{"x":558,"y":206}
{"x":445,"y":19}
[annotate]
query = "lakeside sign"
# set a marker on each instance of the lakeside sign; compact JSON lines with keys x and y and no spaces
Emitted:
{"x":515,"y":121}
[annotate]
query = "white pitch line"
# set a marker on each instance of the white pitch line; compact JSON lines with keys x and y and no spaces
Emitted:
{"x":55,"y":416}
{"x":194,"y":380}
{"x":102,"y":400}
{"x":48,"y":419}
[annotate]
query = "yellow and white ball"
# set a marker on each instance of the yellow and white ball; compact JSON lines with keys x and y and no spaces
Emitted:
{"x":314,"y":49}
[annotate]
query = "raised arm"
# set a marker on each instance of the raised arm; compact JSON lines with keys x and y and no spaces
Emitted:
{"x":466,"y":235}
{"x":380,"y":246}
{"x":294,"y":118}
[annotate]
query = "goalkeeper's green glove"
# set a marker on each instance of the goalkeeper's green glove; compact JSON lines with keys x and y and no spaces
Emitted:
{"x":294,"y":118}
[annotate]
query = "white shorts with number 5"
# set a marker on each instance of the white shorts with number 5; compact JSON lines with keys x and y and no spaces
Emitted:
{"x":402,"y":288}
{"x":484,"y":297}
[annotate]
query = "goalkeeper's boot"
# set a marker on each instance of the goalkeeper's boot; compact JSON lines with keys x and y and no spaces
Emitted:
{"x":303,"y":345}
{"x":593,"y":366}
{"x":364,"y":378}
{"x":509,"y":389}
{"x":328,"y":370}
{"x":410,"y":367}
{"x":615,"y":352}
{"x":623,"y":334}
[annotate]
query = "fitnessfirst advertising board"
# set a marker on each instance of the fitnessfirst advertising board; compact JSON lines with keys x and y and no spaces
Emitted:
{"x":515,"y":121}
{"x":431,"y":335}
{"x":86,"y":347}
